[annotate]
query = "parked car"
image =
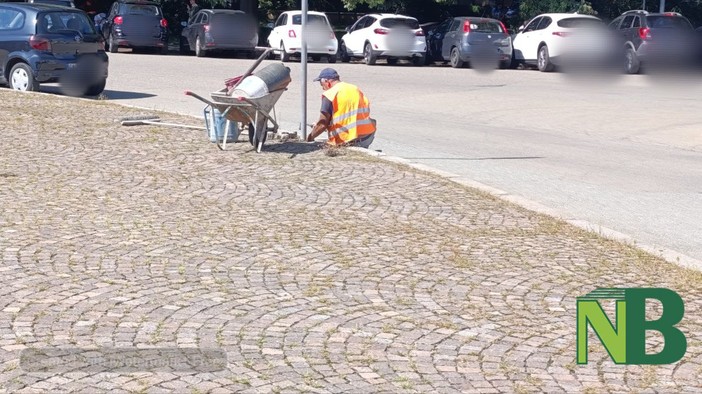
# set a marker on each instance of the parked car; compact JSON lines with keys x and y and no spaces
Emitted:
{"x":220,"y":30}
{"x":655,"y":37}
{"x":42,"y":44}
{"x":136,"y":24}
{"x":388,"y":36}
{"x":551,"y":40}
{"x":63,"y":3}
{"x":461,"y":40}
{"x":286,"y":36}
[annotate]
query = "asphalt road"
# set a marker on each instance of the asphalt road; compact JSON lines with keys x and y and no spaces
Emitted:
{"x":624,"y":153}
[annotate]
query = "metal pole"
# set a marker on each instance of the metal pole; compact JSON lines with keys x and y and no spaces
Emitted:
{"x":303,"y":64}
{"x":662,"y":10}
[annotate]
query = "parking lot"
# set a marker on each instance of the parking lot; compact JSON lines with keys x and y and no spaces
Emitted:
{"x":621,"y":152}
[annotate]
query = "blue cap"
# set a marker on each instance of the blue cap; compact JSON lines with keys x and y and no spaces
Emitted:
{"x":327,"y":73}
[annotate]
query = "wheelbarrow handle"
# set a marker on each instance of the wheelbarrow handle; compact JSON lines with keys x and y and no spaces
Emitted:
{"x":197,"y":96}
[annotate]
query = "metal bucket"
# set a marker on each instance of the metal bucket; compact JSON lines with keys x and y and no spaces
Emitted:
{"x":275,"y":76}
{"x":251,"y":87}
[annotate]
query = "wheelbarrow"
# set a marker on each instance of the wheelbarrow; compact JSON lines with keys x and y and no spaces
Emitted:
{"x":255,"y":112}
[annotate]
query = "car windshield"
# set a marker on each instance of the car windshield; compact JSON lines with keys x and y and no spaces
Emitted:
{"x":399,"y":22}
{"x":485,"y":27}
{"x":311,"y":19}
{"x":668,"y":22}
{"x":57,"y":21}
{"x":580,"y":23}
{"x":143,"y":9}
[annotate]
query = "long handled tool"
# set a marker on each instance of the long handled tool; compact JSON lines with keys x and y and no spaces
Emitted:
{"x":154,"y":120}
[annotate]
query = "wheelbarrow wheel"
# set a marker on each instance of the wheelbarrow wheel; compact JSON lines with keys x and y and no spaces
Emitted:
{"x":252,"y":136}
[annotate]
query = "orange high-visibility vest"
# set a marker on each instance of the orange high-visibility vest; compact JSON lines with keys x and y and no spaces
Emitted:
{"x":351,"y":117}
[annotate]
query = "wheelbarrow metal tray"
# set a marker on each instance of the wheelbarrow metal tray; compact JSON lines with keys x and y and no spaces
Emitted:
{"x":244,"y":109}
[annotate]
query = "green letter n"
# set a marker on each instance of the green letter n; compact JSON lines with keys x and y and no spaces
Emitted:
{"x":612,"y":337}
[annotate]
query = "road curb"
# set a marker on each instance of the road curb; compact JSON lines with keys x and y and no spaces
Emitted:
{"x":666,"y":254}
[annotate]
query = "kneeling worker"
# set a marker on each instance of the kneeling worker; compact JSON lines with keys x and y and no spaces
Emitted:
{"x":345,"y":113}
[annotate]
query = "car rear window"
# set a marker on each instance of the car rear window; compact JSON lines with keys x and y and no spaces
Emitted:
{"x":311,"y":19}
{"x":229,"y":17}
{"x":485,"y":27}
{"x":580,"y":23}
{"x":57,"y":21}
{"x":390,"y":23}
{"x":11,"y":19}
{"x":54,"y":2}
{"x":143,"y":9}
{"x":668,"y":22}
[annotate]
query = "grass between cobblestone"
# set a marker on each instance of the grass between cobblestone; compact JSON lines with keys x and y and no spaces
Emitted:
{"x":314,"y":272}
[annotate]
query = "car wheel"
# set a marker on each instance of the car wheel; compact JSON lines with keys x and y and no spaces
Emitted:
{"x":632,"y":64}
{"x":199,"y":50}
{"x":331,"y":59}
{"x":544,"y":61}
{"x":112,"y":46}
{"x":419,"y":61}
{"x":455,"y":58}
{"x":345,"y":58}
{"x":94,"y":90}
{"x":368,"y":56}
{"x":22,"y":78}
{"x":284,"y":56}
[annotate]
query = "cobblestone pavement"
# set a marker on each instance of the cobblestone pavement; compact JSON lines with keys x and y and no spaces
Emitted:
{"x":313,"y":273}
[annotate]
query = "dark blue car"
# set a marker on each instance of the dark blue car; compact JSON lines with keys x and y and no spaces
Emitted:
{"x":44,"y":43}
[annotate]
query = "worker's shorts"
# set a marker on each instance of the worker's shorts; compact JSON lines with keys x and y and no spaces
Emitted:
{"x":363,"y":142}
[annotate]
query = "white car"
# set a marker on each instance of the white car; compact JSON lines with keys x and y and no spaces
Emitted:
{"x":549,"y":40}
{"x":286,"y":36}
{"x":388,"y":36}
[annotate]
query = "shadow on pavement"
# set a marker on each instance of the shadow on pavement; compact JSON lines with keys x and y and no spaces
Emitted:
{"x":120,"y":95}
{"x":294,"y":148}
{"x":477,"y":158}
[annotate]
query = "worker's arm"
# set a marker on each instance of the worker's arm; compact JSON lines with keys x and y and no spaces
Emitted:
{"x":320,"y":126}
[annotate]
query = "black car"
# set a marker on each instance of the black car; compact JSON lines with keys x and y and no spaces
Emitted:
{"x":135,"y":24}
{"x":220,"y":30}
{"x":44,"y":43}
{"x":655,"y":38}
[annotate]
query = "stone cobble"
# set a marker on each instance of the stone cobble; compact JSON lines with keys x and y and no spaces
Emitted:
{"x":312,"y":273}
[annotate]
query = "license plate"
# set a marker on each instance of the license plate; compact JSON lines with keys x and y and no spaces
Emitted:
{"x":71,"y":66}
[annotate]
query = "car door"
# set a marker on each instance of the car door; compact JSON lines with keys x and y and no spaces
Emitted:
{"x":11,"y":21}
{"x":198,"y":29}
{"x":357,"y":36}
{"x":526,"y":44}
{"x":538,"y":36}
{"x":436,"y":37}
{"x":450,"y":39}
{"x":109,"y":21}
{"x":520,"y":44}
{"x":276,"y":36}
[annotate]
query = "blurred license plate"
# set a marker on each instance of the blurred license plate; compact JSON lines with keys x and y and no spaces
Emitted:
{"x":71,"y":66}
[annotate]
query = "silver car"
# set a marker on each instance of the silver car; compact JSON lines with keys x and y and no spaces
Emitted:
{"x":479,"y":42}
